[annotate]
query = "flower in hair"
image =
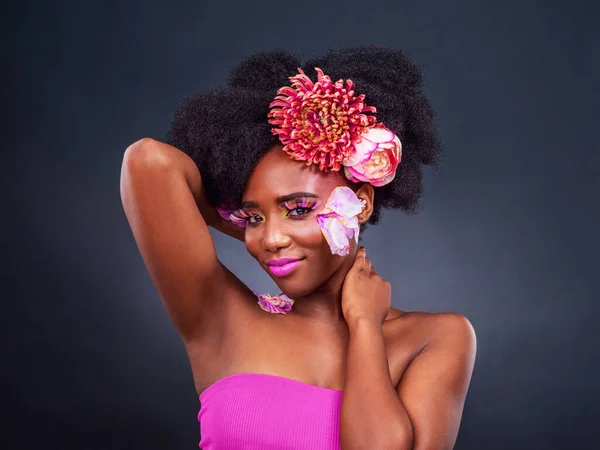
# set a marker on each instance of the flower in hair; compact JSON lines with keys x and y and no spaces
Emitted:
{"x":325,"y":123}
{"x":319,"y":122}
{"x":278,"y":304}
{"x":376,"y":157}
{"x":338,"y":219}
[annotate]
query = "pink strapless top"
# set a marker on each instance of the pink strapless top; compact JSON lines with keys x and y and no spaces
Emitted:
{"x":250,"y":411}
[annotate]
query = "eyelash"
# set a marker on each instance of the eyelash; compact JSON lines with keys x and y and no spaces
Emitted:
{"x":306,"y":204}
{"x":242,"y":215}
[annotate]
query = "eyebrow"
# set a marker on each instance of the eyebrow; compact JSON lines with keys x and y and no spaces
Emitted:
{"x":282,"y":199}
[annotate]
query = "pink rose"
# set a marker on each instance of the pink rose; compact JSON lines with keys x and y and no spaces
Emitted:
{"x":376,"y":157}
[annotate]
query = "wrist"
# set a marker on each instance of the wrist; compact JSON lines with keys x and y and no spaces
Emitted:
{"x":362,"y":322}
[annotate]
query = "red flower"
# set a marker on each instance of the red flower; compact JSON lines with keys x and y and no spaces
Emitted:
{"x":319,"y":122}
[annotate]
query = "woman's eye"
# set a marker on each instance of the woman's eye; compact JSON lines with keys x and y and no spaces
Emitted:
{"x":299,"y":211}
{"x":253,"y":219}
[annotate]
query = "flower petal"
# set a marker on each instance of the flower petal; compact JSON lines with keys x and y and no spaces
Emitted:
{"x":362,"y":150}
{"x":308,"y":134}
{"x":338,"y":219}
{"x":379,"y":134}
{"x":350,"y":176}
{"x":356,"y":174}
{"x":385,"y":180}
{"x":339,"y":238}
{"x":279,"y":304}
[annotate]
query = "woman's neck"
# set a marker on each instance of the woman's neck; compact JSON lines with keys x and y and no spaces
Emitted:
{"x":325,"y":303}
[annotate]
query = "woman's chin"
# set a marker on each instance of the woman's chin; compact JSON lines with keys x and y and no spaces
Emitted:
{"x":293,"y":290}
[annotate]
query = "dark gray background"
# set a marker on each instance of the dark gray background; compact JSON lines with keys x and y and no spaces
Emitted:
{"x":508,"y":233}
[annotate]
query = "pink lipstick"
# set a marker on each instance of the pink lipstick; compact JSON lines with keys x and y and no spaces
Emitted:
{"x":283,"y":266}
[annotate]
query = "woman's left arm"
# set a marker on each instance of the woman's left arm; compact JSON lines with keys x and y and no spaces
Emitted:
{"x":424,"y":411}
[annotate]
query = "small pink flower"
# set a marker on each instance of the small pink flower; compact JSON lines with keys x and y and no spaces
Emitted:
{"x":376,"y":157}
{"x":338,"y":219}
{"x":319,"y":122}
{"x":278,"y":304}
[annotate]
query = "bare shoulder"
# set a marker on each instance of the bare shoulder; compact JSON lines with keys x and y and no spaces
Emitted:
{"x":430,"y":327}
{"x":435,"y":320}
{"x":443,"y":324}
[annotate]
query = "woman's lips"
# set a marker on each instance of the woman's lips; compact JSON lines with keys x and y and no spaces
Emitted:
{"x":282,"y":267}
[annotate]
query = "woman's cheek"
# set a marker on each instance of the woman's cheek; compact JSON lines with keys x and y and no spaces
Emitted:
{"x":251,"y":242}
{"x":309,"y":235}
{"x":304,"y":233}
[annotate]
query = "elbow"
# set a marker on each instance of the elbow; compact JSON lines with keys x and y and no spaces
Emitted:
{"x":138,"y":158}
{"x":145,"y":151}
{"x":140,"y":145}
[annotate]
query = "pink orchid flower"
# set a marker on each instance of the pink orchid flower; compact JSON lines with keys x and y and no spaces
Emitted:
{"x":275,"y":304}
{"x":338,"y":219}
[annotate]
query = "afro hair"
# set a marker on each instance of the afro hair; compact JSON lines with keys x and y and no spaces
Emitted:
{"x":229,"y":124}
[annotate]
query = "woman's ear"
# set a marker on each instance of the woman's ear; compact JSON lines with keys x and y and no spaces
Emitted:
{"x":366,"y":193}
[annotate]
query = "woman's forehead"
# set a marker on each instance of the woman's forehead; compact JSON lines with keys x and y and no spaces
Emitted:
{"x":276,"y":174}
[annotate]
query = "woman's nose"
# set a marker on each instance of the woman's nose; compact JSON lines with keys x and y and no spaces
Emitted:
{"x":275,"y":238}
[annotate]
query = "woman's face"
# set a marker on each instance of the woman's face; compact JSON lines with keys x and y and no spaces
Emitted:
{"x":281,"y":202}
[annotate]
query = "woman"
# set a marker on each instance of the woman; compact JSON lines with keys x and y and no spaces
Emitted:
{"x":297,"y":167}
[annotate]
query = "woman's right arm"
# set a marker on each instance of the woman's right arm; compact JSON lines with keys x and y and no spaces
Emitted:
{"x":164,"y":202}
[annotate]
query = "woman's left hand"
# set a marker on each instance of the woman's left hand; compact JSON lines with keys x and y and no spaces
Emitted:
{"x":365,"y":295}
